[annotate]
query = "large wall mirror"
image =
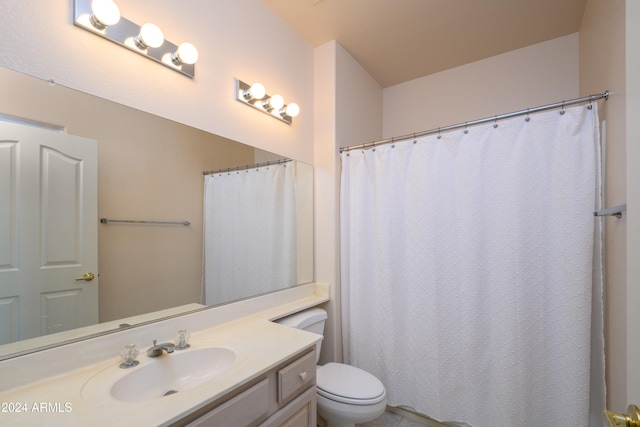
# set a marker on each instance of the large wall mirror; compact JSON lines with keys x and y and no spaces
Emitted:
{"x":148,"y":169}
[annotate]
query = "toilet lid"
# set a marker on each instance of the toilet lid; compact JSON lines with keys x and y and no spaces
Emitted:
{"x":345,"y":383}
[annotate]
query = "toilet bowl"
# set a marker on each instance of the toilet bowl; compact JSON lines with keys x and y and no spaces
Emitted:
{"x":346,"y":395}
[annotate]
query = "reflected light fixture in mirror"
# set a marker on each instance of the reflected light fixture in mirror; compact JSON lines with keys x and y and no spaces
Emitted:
{"x":102,"y":17}
{"x":255,"y":96}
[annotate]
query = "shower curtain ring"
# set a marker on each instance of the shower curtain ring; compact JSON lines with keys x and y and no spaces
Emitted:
{"x":562,"y":110}
{"x":495,"y":124}
{"x":439,"y":136}
{"x":466,"y":131}
{"x":414,"y":138}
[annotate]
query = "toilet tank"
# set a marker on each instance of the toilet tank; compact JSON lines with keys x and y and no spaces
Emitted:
{"x":311,"y":320}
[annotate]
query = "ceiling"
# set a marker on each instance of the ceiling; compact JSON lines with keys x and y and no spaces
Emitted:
{"x":401,"y":40}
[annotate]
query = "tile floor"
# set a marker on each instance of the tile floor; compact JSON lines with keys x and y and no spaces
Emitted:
{"x":400,"y":418}
{"x":390,"y":419}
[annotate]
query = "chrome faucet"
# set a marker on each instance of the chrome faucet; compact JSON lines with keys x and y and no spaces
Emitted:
{"x":157,"y":349}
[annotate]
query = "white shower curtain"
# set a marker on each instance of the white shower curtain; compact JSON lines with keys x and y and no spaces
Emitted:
{"x":467,"y":269}
{"x":249,"y":232}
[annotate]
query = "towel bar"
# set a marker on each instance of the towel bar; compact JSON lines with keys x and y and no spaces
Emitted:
{"x":131,"y":221}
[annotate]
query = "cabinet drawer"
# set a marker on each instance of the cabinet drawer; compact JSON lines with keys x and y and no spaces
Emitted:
{"x":297,"y":376}
{"x":246,"y":409}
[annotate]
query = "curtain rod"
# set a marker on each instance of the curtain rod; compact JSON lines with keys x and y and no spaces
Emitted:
{"x":562,"y":104}
{"x":241,"y":168}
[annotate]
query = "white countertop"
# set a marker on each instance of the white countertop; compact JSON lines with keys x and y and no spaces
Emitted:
{"x":59,"y":400}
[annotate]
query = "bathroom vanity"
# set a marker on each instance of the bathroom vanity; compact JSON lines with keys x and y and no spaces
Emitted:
{"x":286,"y":395}
{"x":246,"y":371}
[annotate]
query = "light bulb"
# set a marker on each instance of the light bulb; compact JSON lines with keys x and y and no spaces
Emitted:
{"x":256,"y":91}
{"x":186,"y":54}
{"x":105,"y":13}
{"x":276,"y":101}
{"x":150,"y":36}
{"x":292,"y":110}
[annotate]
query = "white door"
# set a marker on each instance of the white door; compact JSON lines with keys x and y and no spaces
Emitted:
{"x":48,"y":232}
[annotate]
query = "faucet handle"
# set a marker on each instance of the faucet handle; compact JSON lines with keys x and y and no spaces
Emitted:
{"x":155,"y":350}
{"x":182,"y":339}
{"x":128,"y":356}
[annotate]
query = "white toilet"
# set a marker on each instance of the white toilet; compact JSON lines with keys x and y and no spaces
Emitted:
{"x":346,"y":395}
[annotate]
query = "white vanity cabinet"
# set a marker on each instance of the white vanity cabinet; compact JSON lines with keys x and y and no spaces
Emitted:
{"x":285,"y":396}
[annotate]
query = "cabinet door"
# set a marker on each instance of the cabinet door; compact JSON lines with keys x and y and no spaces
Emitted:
{"x":299,"y":419}
{"x":301,"y":412}
{"x":242,"y":410}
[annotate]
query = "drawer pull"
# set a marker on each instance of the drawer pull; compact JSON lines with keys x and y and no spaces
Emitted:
{"x":303,"y":375}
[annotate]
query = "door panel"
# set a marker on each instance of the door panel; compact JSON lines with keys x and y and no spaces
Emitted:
{"x":8,"y":223}
{"x":9,"y":319}
{"x":60,"y":309}
{"x":61,"y":207}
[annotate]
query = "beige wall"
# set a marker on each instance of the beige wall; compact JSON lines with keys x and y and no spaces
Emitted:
{"x":326,"y":243}
{"x":633,"y":199}
{"x":536,"y":75}
{"x":602,"y":67}
{"x":236,"y":39}
{"x":348,"y":111}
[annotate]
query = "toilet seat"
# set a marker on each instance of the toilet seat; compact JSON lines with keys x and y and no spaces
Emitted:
{"x":348,"y":384}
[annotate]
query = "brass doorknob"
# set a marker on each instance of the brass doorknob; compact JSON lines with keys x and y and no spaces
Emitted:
{"x":632,"y":419}
{"x":87,"y":277}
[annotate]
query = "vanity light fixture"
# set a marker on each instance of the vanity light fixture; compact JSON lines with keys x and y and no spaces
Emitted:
{"x":102,"y":17}
{"x":185,"y":54}
{"x":274,"y":105}
{"x":255,"y":92}
{"x":104,"y":13}
{"x":292,"y":110}
{"x":150,"y":36}
{"x":276,"y":102}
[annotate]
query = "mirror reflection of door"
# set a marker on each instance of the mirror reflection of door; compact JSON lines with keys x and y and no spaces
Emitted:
{"x":48,"y":232}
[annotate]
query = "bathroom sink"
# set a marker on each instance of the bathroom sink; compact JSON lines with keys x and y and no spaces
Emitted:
{"x":169,"y":374}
